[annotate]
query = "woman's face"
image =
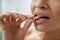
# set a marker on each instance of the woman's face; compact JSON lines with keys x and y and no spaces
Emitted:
{"x":48,"y":12}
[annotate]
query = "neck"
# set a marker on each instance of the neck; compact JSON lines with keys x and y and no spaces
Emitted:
{"x":51,"y":35}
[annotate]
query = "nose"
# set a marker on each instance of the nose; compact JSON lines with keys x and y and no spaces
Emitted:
{"x":42,"y":4}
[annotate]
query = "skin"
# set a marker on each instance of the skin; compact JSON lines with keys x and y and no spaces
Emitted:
{"x":11,"y":29}
{"x":50,"y":30}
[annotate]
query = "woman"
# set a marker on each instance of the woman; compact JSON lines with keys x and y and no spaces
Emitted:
{"x":46,"y":20}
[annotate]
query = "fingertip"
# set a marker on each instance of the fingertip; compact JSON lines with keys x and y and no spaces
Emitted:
{"x":29,"y":17}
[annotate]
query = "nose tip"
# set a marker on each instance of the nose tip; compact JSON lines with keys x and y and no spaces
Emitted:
{"x":41,"y":5}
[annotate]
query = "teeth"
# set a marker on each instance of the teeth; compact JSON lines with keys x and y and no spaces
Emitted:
{"x":41,"y":17}
{"x":37,"y":17}
{"x":44,"y":17}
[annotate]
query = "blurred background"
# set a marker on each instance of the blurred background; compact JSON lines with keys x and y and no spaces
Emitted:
{"x":16,"y":6}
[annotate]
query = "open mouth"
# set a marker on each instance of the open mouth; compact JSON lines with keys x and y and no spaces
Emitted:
{"x":41,"y":18}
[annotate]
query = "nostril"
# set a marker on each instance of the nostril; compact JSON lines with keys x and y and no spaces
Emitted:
{"x":35,"y":15}
{"x":43,"y":8}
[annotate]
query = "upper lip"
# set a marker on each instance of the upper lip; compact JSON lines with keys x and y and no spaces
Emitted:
{"x":42,"y":14}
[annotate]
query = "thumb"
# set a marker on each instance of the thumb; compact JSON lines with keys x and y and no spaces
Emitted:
{"x":27,"y":25}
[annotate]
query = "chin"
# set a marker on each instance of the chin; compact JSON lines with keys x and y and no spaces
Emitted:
{"x":43,"y":28}
{"x":40,"y":28}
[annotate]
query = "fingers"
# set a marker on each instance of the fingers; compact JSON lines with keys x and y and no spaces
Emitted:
{"x":8,"y":17}
{"x":29,"y":17}
{"x":26,"y":16}
{"x":13,"y":16}
{"x":27,"y":25}
{"x":17,"y":19}
{"x":4,"y":18}
{"x":22,"y":17}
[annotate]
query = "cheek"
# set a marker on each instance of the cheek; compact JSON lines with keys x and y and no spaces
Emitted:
{"x":32,"y":7}
{"x":56,"y":12}
{"x":55,"y":9}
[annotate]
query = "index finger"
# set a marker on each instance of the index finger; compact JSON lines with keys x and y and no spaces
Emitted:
{"x":29,"y":17}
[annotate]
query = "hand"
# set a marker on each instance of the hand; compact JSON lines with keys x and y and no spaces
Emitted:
{"x":11,"y":26}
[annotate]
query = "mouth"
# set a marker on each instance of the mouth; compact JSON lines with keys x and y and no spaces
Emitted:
{"x":41,"y":18}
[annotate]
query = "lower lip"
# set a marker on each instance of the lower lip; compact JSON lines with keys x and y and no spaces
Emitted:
{"x":40,"y":21}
